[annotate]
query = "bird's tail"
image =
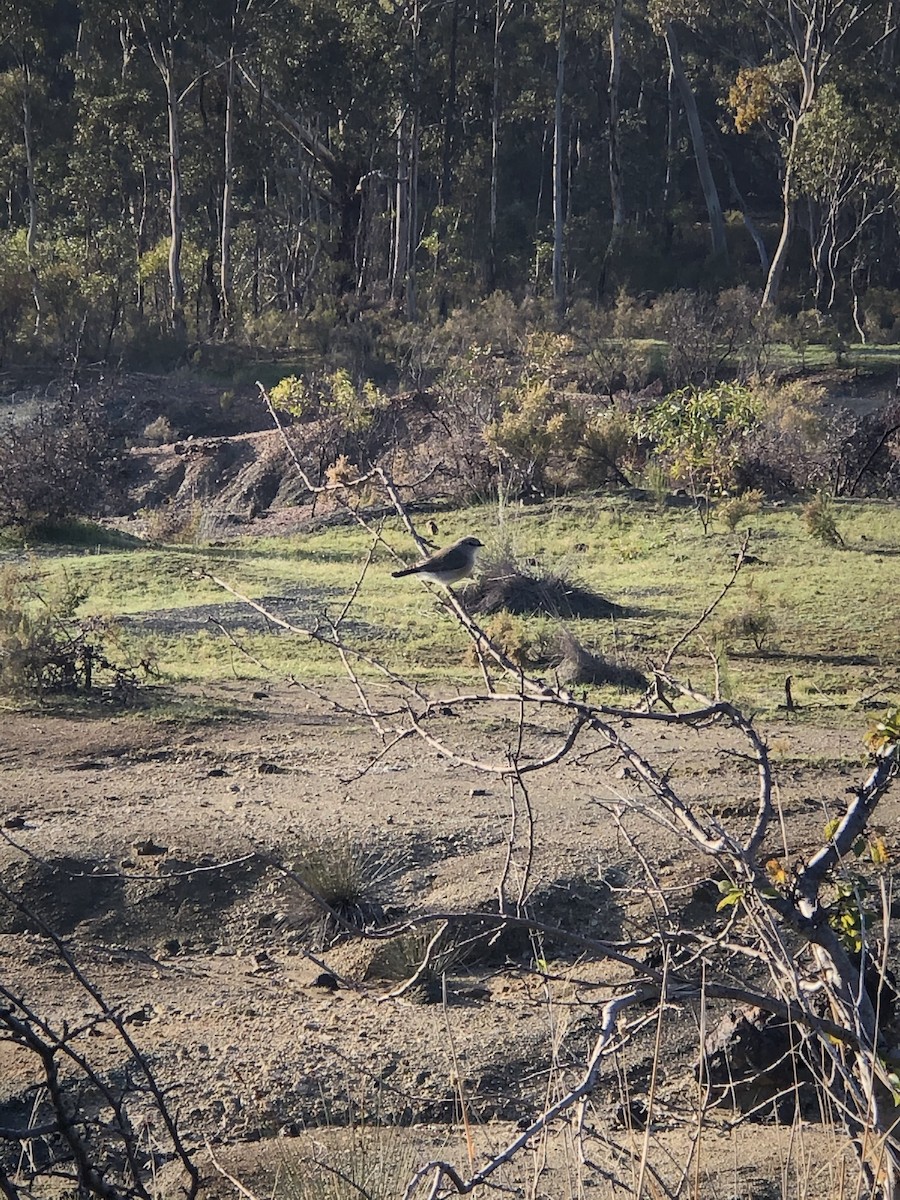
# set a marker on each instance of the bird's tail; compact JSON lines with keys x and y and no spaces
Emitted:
{"x":405,"y":571}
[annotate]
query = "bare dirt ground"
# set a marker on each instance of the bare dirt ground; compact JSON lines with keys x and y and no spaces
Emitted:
{"x":142,"y":842}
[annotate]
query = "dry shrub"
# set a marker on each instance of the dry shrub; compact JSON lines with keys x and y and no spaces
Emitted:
{"x":792,"y":447}
{"x":403,"y":956}
{"x":582,"y":666}
{"x":506,"y":585}
{"x":159,"y":432}
{"x":174,"y":521}
{"x":346,"y":876}
{"x":64,"y":462}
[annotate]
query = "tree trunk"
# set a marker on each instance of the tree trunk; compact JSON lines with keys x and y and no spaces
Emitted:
{"x":616,"y":193}
{"x":707,"y":183}
{"x":412,"y":224}
{"x":176,"y":226}
{"x":31,"y":191}
{"x":226,"y":282}
{"x":162,"y":51}
{"x":559,"y":280}
{"x":499,"y":19}
{"x":779,"y":258}
{"x":400,"y":241}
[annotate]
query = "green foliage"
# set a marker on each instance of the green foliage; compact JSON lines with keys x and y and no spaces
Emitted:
{"x":735,"y":509}
{"x":46,"y":647}
{"x":820,"y":521}
{"x":854,"y":902}
{"x":335,"y":397}
{"x":699,"y":432}
{"x":884,"y":732}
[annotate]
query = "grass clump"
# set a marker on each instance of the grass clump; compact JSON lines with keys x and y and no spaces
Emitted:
{"x":421,"y":955}
{"x":528,"y":589}
{"x":375,"y":1161}
{"x":342,"y":881}
{"x":582,"y":666}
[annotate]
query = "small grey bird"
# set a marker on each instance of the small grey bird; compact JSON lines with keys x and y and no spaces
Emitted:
{"x":448,"y":565}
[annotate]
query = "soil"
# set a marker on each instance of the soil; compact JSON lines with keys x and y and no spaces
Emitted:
{"x":155,"y":850}
{"x":148,"y":846}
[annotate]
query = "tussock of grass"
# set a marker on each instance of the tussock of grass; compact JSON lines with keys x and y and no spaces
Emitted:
{"x":582,"y":666}
{"x":349,"y":877}
{"x":416,"y":954}
{"x":504,"y":584}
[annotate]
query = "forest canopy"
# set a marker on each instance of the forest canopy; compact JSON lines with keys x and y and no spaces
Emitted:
{"x":175,"y":172}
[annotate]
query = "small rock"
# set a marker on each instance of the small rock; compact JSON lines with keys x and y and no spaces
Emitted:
{"x":326,"y":980}
{"x":473,"y":792}
{"x":216,"y":772}
{"x":14,"y":822}
{"x":260,"y":695}
{"x":270,"y":768}
{"x":149,"y":848}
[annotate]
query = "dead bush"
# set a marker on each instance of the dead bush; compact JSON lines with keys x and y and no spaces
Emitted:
{"x":505,"y":584}
{"x":66,"y":461}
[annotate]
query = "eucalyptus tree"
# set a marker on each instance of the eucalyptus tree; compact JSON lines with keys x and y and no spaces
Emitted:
{"x":664,"y":15}
{"x":32,"y":42}
{"x":800,"y":46}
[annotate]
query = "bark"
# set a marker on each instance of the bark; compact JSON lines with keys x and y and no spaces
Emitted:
{"x":400,"y":241}
{"x":176,"y":224}
{"x":779,"y":258}
{"x":412,"y":224}
{"x":31,"y":191}
{"x":161,"y":47}
{"x":226,"y":282}
{"x":559,"y":281}
{"x":698,"y":141}
{"x":615,"y":153}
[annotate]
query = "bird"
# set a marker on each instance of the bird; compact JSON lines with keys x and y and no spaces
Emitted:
{"x":446,"y":566}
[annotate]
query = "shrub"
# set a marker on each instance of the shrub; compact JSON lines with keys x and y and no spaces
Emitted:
{"x":350,"y":877}
{"x":819,"y":519}
{"x":45,"y":647}
{"x":159,"y":432}
{"x":349,"y":419}
{"x":700,"y":433}
{"x":792,"y":446}
{"x":64,"y":462}
{"x":735,"y":509}
{"x":706,"y":334}
{"x":755,"y":621}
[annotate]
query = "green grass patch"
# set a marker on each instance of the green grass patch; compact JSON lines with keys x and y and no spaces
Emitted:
{"x":833,"y":610}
